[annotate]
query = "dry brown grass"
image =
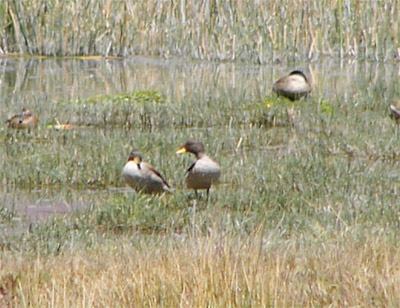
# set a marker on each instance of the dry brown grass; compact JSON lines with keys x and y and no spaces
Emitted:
{"x":223,"y":271}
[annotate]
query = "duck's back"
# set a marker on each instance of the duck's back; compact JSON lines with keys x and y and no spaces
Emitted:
{"x":143,"y":179}
{"x":18,"y":121}
{"x":292,"y":86}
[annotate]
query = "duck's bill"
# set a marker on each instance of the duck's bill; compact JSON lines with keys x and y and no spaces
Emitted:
{"x":181,"y":150}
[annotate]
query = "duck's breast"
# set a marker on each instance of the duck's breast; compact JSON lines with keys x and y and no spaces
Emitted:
{"x":203,"y":174}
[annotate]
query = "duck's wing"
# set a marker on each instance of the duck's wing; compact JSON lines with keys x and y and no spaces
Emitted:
{"x":158,"y":174}
{"x":12,"y":119}
{"x":191,"y":167}
{"x":278,"y":84}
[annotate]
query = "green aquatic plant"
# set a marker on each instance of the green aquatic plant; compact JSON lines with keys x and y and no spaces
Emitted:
{"x":138,"y":97}
{"x":326,"y":107}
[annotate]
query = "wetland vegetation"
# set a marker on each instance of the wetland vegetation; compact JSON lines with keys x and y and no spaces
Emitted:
{"x":256,"y":31}
{"x":307,"y":209}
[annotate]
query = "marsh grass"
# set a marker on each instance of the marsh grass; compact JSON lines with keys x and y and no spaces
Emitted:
{"x":306,"y":212}
{"x":258,"y":31}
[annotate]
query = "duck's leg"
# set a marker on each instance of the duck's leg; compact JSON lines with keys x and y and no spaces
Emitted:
{"x":208,"y":193}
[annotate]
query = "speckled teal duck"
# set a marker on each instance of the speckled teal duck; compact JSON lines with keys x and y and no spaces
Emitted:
{"x":23,"y":120}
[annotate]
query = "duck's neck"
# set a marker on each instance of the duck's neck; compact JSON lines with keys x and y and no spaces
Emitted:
{"x":200,"y":155}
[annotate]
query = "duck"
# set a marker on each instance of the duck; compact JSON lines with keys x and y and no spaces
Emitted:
{"x":204,"y":171}
{"x":23,"y":120}
{"x":293,"y":86}
{"x":395,"y":111}
{"x":142,"y":177}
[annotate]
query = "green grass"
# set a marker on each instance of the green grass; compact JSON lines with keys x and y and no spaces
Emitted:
{"x":306,"y":210}
{"x":258,"y":32}
{"x":307,"y":165}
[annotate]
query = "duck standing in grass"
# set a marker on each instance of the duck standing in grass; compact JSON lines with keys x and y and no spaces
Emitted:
{"x":293,"y":86}
{"x":204,"y":171}
{"x":23,"y":120}
{"x":141,"y":176}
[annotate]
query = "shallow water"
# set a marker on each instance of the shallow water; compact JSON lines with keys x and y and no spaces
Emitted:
{"x":40,"y":84}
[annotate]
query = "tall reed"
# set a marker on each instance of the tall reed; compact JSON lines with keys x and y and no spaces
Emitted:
{"x":253,"y":31}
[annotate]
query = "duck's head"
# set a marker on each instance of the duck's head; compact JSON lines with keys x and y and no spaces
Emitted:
{"x":297,"y":72}
{"x":195,"y":147}
{"x":26,"y":111}
{"x":24,"y":114}
{"x":135,"y":156}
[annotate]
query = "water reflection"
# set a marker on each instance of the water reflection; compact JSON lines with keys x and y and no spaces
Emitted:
{"x":36,"y":82}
